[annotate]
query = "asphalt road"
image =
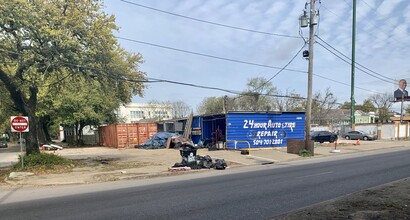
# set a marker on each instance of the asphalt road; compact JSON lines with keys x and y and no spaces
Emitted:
{"x":260,"y":194}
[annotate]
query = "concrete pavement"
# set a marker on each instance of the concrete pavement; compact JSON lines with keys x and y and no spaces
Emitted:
{"x":101,"y":164}
{"x":10,"y":155}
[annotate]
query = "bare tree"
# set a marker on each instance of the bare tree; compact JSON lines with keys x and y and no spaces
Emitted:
{"x":180,"y":109}
{"x":322,"y":106}
{"x":383,"y":103}
{"x":159,"y":110}
{"x":290,"y":101}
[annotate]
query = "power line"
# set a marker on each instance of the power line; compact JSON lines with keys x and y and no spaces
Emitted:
{"x":377,"y":13}
{"x":373,"y":26}
{"x":153,"y":80}
{"x":207,"y":55}
{"x":226,"y":59}
{"x":193,"y":85}
{"x":381,"y":75}
{"x":347,"y":61}
{"x":220,"y":89}
{"x":228,"y":26}
{"x":263,"y":84}
{"x":209,"y":22}
{"x":187,"y":84}
{"x":284,"y":67}
{"x":293,"y":58}
{"x":342,"y":83}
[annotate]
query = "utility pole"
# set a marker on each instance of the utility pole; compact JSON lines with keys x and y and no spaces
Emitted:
{"x":225,"y":109}
{"x":352,"y":101}
{"x":312,"y":23}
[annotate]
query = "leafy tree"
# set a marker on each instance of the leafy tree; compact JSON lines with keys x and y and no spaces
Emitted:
{"x":46,"y":42}
{"x":346,"y":105}
{"x":383,"y":104}
{"x":257,"y":96}
{"x":84,"y":103}
{"x":211,"y":105}
{"x":367,"y":106}
{"x":7,"y":109}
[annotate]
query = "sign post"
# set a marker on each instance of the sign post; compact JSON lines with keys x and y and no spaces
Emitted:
{"x":19,"y":124}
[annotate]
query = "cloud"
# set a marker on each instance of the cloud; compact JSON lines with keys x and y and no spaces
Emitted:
{"x":381,"y":41}
{"x":386,"y":8}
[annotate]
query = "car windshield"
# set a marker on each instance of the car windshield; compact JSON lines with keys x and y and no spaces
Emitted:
{"x":314,"y":133}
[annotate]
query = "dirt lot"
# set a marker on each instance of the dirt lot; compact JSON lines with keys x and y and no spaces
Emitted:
{"x":390,"y":201}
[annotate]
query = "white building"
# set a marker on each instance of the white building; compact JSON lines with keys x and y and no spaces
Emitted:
{"x":135,"y":112}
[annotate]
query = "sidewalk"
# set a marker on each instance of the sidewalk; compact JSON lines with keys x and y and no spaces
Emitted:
{"x":103,"y":164}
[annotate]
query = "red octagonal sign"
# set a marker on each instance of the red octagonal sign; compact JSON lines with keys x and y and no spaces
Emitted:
{"x":19,"y":124}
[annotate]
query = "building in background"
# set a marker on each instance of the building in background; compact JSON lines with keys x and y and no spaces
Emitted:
{"x":365,"y":118}
{"x":137,"y":112}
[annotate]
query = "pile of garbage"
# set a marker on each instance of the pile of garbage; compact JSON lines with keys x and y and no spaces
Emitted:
{"x":192,"y":161}
{"x":159,"y":140}
{"x":50,"y":147}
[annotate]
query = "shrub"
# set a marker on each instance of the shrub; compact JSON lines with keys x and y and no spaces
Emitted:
{"x":305,"y":153}
{"x":43,"y":160}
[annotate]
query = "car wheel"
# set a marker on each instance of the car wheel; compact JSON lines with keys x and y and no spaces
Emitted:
{"x":365,"y":138}
{"x":331,"y":140}
{"x":347,"y":138}
{"x":321,"y":142}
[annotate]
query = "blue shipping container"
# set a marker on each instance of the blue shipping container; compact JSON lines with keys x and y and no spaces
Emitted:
{"x":207,"y":127}
{"x":261,"y":130}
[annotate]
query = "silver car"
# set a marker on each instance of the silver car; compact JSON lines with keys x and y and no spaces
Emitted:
{"x":355,"y":135}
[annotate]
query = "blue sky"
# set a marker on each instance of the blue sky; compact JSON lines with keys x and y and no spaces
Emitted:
{"x":382,"y":45}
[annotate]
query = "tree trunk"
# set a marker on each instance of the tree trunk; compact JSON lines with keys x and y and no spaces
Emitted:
{"x":30,"y":110}
{"x":32,"y":140}
{"x":80,"y":141}
{"x":27,"y":107}
{"x":43,"y":133}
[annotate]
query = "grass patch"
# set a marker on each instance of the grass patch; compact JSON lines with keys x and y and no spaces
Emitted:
{"x":4,"y":172}
{"x":43,"y":163}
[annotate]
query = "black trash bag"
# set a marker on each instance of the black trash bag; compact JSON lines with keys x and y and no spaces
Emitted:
{"x":212,"y":147}
{"x":207,"y":162}
{"x":179,"y":165}
{"x":200,"y":161}
{"x":204,"y":143}
{"x":204,"y":161}
{"x":220,"y":164}
{"x":245,"y":152}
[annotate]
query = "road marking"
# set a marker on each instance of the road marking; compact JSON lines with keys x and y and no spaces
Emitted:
{"x":317,"y":174}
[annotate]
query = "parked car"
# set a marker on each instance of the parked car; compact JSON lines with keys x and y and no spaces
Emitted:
{"x":323,"y":136}
{"x":355,"y":135}
{"x":5,"y":137}
{"x":3,"y":144}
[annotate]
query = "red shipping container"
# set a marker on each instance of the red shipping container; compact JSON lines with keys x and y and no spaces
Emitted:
{"x":126,"y":135}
